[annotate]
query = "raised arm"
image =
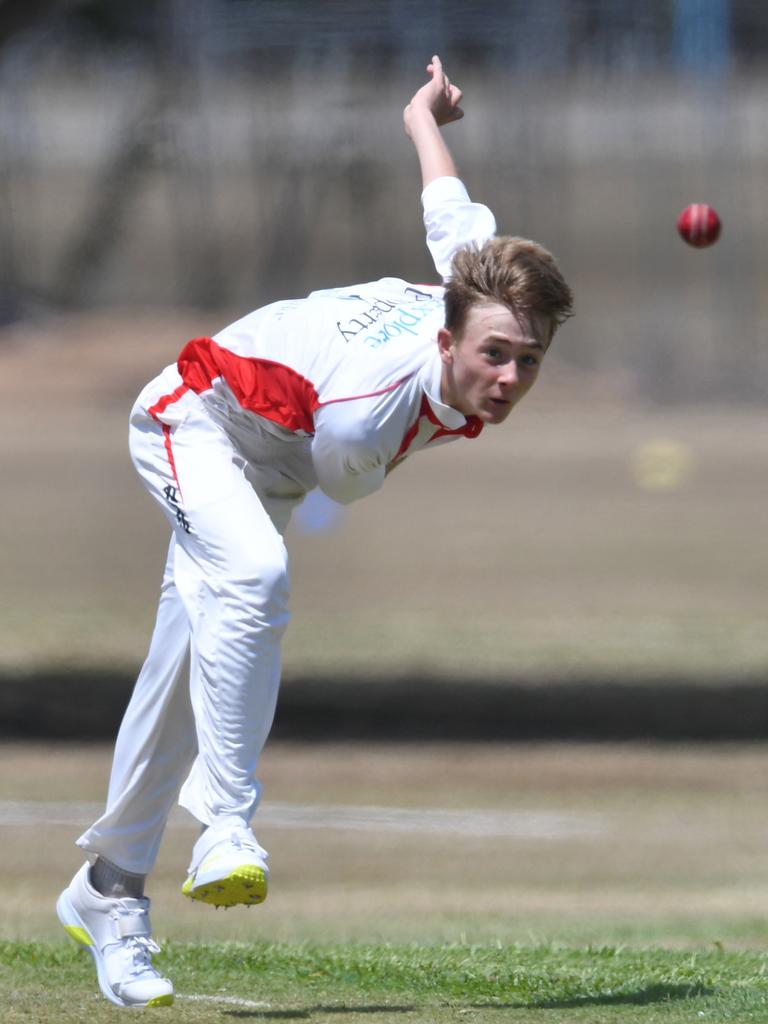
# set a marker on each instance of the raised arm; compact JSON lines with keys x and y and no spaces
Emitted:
{"x":436,"y":103}
{"x":451,"y":219}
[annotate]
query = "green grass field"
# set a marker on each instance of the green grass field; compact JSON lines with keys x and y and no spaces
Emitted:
{"x":383,"y":984}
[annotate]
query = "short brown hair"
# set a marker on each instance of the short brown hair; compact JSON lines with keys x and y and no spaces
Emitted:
{"x":520,"y":274}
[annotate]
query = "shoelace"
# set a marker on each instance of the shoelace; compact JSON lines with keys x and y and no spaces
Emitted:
{"x":142,"y":947}
{"x":245,"y":842}
{"x":136,"y":940}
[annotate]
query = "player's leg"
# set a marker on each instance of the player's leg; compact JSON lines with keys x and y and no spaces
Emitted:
{"x":231,"y":573}
{"x":155,"y":747}
{"x":104,"y":908}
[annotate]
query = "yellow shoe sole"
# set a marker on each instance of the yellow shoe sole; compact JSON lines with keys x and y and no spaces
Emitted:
{"x":166,"y":1000}
{"x":244,"y":886}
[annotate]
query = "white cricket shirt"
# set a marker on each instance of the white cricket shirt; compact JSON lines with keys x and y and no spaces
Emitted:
{"x":335,"y":388}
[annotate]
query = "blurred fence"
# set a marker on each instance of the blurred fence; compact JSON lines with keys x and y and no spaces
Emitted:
{"x":224,"y":154}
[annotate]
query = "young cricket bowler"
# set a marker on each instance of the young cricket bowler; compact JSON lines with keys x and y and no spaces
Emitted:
{"x":330,"y":391}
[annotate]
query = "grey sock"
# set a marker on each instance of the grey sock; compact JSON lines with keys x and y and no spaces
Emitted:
{"x":110,"y":880}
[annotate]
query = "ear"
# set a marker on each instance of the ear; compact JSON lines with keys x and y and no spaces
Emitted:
{"x":445,"y":345}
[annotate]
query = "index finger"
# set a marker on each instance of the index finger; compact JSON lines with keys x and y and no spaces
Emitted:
{"x":435,"y":66}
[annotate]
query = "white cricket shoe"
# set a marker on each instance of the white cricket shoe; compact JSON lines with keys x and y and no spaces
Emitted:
{"x":228,"y":867}
{"x":117,"y":933}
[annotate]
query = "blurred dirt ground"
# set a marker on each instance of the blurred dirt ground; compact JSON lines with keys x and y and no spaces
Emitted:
{"x":657,"y":844}
{"x":589,"y":536}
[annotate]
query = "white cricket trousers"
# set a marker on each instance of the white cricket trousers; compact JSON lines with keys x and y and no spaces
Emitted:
{"x":223,"y":610}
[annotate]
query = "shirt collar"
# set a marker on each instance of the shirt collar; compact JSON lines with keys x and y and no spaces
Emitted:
{"x":431,"y":375}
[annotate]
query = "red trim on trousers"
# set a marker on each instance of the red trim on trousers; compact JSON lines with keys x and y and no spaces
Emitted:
{"x":155,"y":412}
{"x":171,"y":460}
{"x":162,"y":404}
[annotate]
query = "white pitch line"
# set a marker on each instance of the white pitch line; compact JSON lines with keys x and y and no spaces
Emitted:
{"x":512,"y":824}
{"x":248,"y":1004}
{"x":516,"y":824}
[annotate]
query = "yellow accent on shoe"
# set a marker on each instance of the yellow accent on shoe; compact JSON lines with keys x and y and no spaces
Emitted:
{"x":246,"y":885}
{"x":166,"y":1000}
{"x":80,"y":935}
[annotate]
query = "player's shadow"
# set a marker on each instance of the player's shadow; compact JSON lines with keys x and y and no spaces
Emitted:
{"x":657,"y":993}
{"x":308,"y":1012}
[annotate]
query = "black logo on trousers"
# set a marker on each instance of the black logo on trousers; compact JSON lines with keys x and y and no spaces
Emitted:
{"x":172,"y":497}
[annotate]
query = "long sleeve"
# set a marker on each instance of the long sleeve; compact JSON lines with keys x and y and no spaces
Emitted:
{"x":349,"y":463}
{"x":452,"y":220}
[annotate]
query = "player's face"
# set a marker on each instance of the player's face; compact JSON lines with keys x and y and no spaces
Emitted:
{"x":492,"y":365}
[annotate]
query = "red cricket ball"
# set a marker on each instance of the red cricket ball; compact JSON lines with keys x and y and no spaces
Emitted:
{"x":699,"y":225}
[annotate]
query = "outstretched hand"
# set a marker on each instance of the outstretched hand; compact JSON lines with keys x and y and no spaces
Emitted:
{"x":437,"y":96}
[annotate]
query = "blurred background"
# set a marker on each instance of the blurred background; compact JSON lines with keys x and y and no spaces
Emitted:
{"x":167,"y":166}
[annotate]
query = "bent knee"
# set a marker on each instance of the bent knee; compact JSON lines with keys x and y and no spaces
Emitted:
{"x":262,"y":577}
{"x":250,"y":586}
